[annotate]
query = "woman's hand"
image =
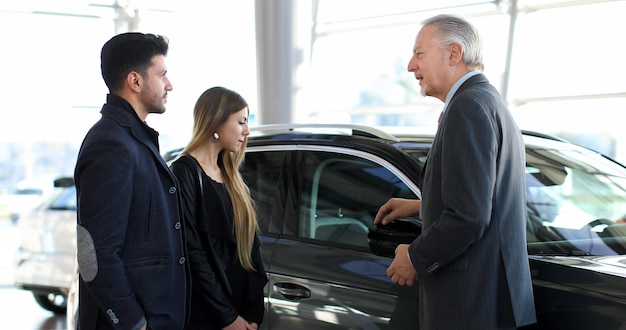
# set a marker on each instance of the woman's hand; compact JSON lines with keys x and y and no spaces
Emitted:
{"x":241,"y":324}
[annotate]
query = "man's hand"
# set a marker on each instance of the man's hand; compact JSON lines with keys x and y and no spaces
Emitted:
{"x":401,"y":270}
{"x":397,"y":208}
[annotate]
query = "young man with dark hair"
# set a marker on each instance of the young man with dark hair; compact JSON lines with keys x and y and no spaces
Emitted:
{"x":131,"y":255}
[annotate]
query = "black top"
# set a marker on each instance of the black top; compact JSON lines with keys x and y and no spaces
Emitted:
{"x":222,"y":288}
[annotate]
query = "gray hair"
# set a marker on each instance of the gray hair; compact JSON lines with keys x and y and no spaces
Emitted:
{"x":456,"y":30}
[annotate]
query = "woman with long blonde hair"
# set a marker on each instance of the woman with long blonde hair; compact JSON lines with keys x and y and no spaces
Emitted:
{"x":220,"y":222}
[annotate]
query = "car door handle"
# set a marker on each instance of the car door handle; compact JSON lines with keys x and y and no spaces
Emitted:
{"x":292,"y":291}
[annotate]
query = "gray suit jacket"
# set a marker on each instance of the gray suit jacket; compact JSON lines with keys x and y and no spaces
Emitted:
{"x":471,"y":256}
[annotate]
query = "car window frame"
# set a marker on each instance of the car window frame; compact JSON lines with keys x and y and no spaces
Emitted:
{"x":299,"y":164}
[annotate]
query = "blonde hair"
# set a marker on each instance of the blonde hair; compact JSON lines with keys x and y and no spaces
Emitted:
{"x":212,"y":109}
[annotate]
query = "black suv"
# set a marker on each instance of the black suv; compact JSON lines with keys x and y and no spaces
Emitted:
{"x":317,"y":189}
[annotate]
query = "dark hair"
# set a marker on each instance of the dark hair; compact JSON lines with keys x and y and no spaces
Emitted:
{"x":126,"y":52}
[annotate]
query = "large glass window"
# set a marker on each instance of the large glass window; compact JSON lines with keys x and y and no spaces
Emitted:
{"x":553,"y":72}
{"x":359,"y":56}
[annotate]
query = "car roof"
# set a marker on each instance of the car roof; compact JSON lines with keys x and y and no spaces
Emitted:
{"x":365,"y":137}
{"x":393,"y":134}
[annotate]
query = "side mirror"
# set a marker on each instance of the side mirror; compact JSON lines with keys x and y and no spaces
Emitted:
{"x":64,"y":182}
{"x":383,"y":239}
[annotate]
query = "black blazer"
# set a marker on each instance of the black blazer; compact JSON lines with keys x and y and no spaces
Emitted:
{"x":221,"y":288}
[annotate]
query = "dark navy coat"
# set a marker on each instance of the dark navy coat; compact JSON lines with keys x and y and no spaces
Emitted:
{"x":130,"y":239}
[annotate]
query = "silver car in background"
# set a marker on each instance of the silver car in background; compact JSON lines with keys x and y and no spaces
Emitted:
{"x":44,"y":261}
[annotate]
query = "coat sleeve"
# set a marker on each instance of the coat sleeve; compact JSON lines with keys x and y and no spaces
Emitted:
{"x":468,"y":176}
{"x":208,"y":279}
{"x":256,"y":284}
{"x":104,"y":185}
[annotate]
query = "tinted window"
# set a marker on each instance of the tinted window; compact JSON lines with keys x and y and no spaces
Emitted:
{"x":341,"y":195}
{"x":262,"y":172}
{"x":65,"y":201}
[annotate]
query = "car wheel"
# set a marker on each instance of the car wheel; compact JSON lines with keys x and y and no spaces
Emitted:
{"x":56,"y":303}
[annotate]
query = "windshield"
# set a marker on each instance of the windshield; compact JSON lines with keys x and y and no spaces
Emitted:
{"x":576,"y":203}
{"x":576,"y":199}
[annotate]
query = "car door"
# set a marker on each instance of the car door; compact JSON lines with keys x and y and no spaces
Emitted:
{"x":267,"y":172}
{"x":321,"y":272}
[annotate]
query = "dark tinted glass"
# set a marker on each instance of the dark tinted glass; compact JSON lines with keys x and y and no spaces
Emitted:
{"x":262,"y":172}
{"x":341,"y":195}
{"x":66,"y":201}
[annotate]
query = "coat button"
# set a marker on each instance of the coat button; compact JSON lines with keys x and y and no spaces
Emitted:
{"x":177,"y":226}
{"x":172,"y":190}
{"x":181,"y":260}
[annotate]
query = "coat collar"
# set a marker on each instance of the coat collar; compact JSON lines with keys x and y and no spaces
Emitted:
{"x":476,"y":79}
{"x":119,"y":110}
{"x":122,"y":112}
{"x":457,"y":84}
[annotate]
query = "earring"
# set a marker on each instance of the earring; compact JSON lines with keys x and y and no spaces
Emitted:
{"x":216,"y":137}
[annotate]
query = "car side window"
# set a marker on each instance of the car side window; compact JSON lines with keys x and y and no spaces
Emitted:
{"x":341,"y":195}
{"x":66,"y":201}
{"x":262,"y":172}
